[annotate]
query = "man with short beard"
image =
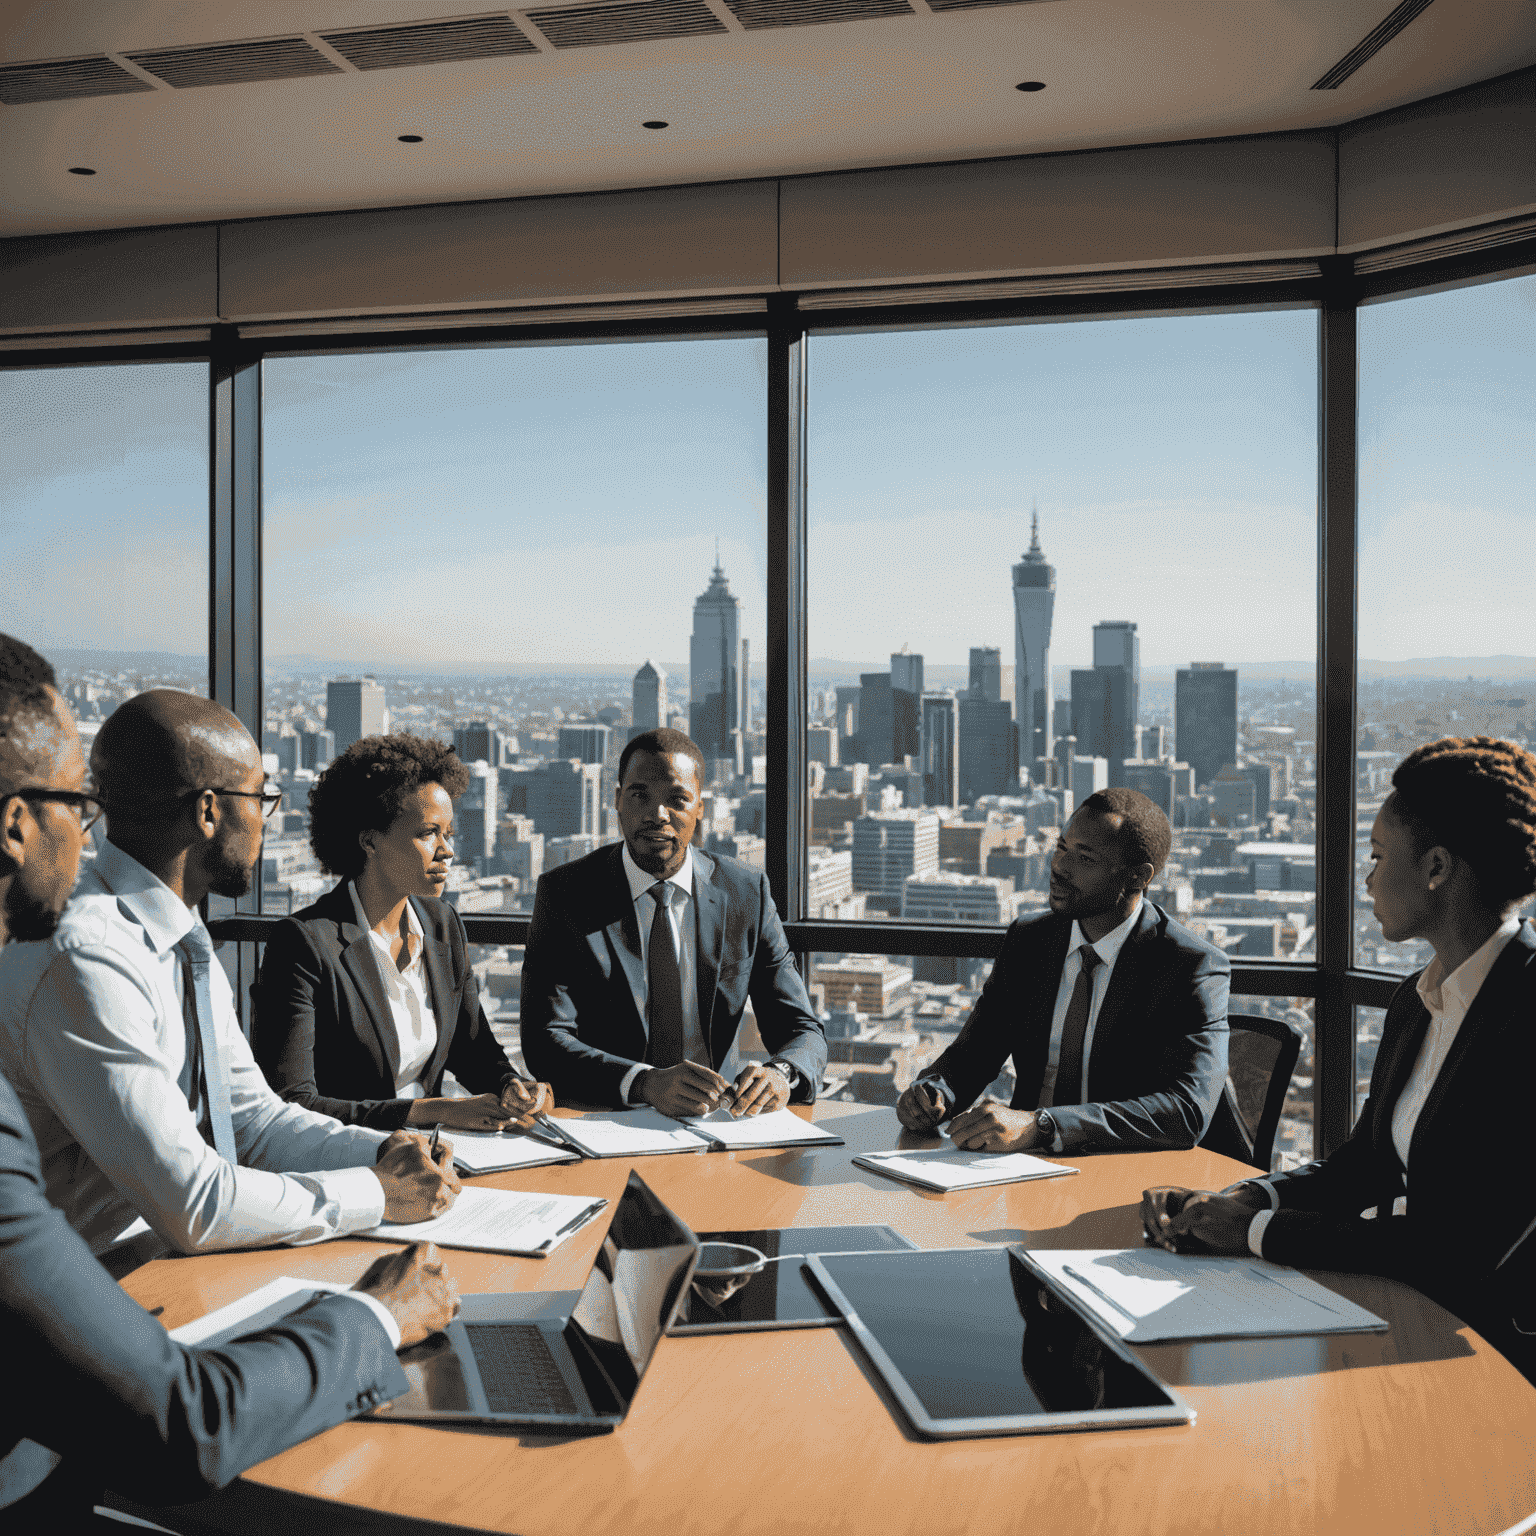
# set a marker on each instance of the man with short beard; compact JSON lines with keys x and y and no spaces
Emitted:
{"x":119,"y":1032}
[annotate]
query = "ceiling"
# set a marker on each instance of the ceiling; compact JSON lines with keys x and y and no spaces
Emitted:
{"x":923,"y":85}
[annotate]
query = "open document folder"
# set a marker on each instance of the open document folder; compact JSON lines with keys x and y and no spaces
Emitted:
{"x":498,"y":1221}
{"x":949,"y":1168}
{"x":1145,"y":1295}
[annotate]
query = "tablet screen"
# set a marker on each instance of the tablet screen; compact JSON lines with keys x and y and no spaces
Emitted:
{"x":976,"y":1336}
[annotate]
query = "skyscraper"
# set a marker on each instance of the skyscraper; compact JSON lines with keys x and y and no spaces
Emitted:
{"x":714,"y":670}
{"x":354,"y":708}
{"x":480,"y":741}
{"x":987,"y":750}
{"x":648,"y":695}
{"x":848,"y":724}
{"x":585,"y":740}
{"x":986,"y":673}
{"x":1116,"y":646}
{"x":906,"y":704}
{"x":1205,"y":717}
{"x":940,"y":757}
{"x":875,"y":721}
{"x":1034,"y":600}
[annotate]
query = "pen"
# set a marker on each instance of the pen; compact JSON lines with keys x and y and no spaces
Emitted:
{"x":1067,"y":1269}
{"x":436,"y":1142}
{"x":580,"y":1219}
{"x":544,"y":1122}
{"x":546,"y":1141}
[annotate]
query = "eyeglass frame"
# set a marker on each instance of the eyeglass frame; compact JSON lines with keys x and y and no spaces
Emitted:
{"x":80,"y":799}
{"x":270,"y":799}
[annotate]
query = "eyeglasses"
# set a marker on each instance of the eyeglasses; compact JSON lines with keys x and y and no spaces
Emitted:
{"x":270,"y":798}
{"x":87,"y":807}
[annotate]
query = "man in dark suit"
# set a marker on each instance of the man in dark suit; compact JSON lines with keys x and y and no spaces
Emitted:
{"x":1114,"y":1014}
{"x":93,"y":1375}
{"x":642,"y":957}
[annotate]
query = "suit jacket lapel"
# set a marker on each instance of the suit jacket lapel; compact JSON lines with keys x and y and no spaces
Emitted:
{"x":357,"y":959}
{"x":1043,"y":961}
{"x":709,"y":928}
{"x":1123,"y":982}
{"x":437,"y":963}
{"x":621,"y":929}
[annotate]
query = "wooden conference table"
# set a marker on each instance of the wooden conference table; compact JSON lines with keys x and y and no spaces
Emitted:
{"x":1425,"y":1428}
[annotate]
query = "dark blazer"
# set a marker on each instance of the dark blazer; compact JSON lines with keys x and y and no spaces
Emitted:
{"x":581,"y":1029}
{"x":93,"y":1375}
{"x":1473,"y":1181}
{"x":321,"y":1017}
{"x":1159,"y":1056}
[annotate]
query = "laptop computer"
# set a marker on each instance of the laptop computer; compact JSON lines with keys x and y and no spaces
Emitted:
{"x":561,"y":1361}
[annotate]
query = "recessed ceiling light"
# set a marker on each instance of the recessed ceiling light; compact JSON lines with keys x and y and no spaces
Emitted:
{"x":654,"y":123}
{"x":410,"y":138}
{"x":81,"y":170}
{"x":1030,"y":85}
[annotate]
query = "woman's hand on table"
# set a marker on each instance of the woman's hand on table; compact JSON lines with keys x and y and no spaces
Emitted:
{"x":483,"y":1112}
{"x":522,"y":1101}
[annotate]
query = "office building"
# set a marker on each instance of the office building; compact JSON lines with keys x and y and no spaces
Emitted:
{"x":888,"y":846}
{"x":1098,"y":707}
{"x":1034,"y":601}
{"x":563,"y":798}
{"x":715,"y":672}
{"x":476,"y":814}
{"x":481,"y":742}
{"x":1205,"y":718}
{"x":317,"y":749}
{"x":986,"y":673}
{"x":1163,"y":783}
{"x":876,"y":721}
{"x":1262,"y":776}
{"x":867,"y":984}
{"x":906,"y":706}
{"x":354,"y":708}
{"x":821,"y":745}
{"x":942,"y":897}
{"x":940,"y":748}
{"x":1150,"y":743}
{"x":847,"y":723}
{"x":648,"y":698}
{"x":1232,"y":798}
{"x":987,"y":749}
{"x":585,"y":740}
{"x":829,"y":879}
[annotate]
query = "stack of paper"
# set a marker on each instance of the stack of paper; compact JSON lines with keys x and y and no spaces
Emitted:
{"x":778,"y":1128}
{"x":628,"y":1133}
{"x":1147,"y":1294}
{"x":948,"y":1168}
{"x":497,"y":1152}
{"x":499,"y":1221}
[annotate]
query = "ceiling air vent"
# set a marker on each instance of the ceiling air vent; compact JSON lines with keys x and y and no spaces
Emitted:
{"x":432,"y":42}
{"x":65,"y":79}
{"x":639,"y":22}
{"x":757,"y":14}
{"x":1371,"y":44}
{"x":974,"y":5}
{"x":273,"y":58}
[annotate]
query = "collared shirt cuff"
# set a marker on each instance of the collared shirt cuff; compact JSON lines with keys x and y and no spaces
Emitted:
{"x":628,"y":1082}
{"x":1269,"y":1190}
{"x":359,"y":1197}
{"x":1057,"y":1144}
{"x":385,"y":1316}
{"x":1261,"y":1220}
{"x":791,"y":1074}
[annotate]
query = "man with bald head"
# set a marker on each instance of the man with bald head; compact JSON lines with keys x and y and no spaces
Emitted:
{"x":119,"y":1034}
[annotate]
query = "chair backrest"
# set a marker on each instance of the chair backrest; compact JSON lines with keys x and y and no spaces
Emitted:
{"x":1261,"y":1055}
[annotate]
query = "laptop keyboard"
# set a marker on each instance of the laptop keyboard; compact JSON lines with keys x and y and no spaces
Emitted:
{"x":518,"y":1369}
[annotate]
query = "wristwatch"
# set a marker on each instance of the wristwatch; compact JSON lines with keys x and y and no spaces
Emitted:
{"x":1045,"y":1127}
{"x":785,"y":1071}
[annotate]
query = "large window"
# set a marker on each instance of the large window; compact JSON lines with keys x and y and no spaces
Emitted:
{"x":104,"y":524}
{"x":1447,"y":428}
{"x":529,"y":551}
{"x":1046,"y":559}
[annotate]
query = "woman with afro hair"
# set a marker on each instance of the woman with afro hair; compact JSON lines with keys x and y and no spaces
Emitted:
{"x":366,"y":997}
{"x":1436,"y":1185}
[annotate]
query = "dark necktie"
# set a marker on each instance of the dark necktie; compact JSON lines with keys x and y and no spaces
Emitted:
{"x":196,"y":951}
{"x":1069,"y":1065}
{"x":664,"y":987}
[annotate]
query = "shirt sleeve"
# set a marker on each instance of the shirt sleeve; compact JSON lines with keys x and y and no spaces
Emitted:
{"x":1256,"y":1227}
{"x":385,"y":1316}
{"x":95,"y":1050}
{"x":628,"y":1082}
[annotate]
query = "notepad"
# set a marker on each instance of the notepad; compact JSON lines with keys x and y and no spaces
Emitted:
{"x":777,"y":1128}
{"x":474,"y":1154}
{"x":1144,"y":1295}
{"x":947,"y":1169}
{"x":498,"y":1221}
{"x":629,"y":1133}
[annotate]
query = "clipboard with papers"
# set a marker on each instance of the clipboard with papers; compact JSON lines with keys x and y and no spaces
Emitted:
{"x":646,"y":1132}
{"x":498,"y":1221}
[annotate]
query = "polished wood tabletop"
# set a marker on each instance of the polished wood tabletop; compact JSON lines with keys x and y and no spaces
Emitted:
{"x":1423,"y":1429}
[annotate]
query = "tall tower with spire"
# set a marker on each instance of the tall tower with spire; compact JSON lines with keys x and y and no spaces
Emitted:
{"x":1034,"y":600}
{"x":715,"y":670}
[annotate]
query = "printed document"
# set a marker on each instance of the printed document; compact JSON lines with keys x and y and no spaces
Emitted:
{"x":496,"y":1153}
{"x":498,"y":1221}
{"x":778,"y":1128}
{"x":1147,"y":1294}
{"x":949,"y":1168}
{"x":629,"y":1133}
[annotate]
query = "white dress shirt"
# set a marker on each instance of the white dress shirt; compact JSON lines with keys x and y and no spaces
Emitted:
{"x":1447,"y":1000}
{"x":1108,"y":950}
{"x":414,"y":1035}
{"x":93,"y":1038}
{"x":680,"y":916}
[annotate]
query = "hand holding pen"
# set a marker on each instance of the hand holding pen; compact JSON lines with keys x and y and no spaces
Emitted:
{"x":922,"y":1108}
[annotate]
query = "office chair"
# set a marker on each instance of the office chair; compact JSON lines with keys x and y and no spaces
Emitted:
{"x":1261,"y":1055}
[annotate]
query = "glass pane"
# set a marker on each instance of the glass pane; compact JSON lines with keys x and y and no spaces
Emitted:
{"x":104,"y":523}
{"x":1368,"y":1022}
{"x":1447,"y":542}
{"x":527,"y":551}
{"x":1027,"y":546}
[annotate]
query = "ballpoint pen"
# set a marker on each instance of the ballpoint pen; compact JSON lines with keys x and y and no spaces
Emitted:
{"x":436,"y":1142}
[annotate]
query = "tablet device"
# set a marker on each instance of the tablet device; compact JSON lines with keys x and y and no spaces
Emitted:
{"x":970,"y":1343}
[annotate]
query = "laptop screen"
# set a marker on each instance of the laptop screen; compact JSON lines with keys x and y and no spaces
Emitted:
{"x":636,"y":1281}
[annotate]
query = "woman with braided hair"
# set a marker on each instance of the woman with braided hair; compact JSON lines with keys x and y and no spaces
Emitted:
{"x":1437,"y":1183}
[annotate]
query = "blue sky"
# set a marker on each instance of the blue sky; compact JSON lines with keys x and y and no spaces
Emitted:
{"x":560,"y":504}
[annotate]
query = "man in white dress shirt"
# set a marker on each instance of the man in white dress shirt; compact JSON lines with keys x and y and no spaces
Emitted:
{"x":120,"y":1037}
